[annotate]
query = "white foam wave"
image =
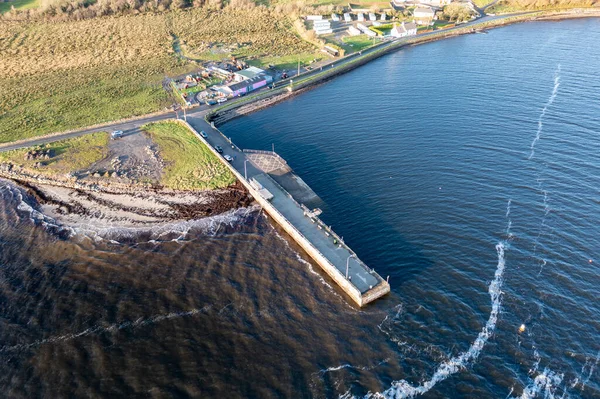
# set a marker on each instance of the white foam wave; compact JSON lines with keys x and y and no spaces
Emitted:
{"x":403,"y":389}
{"x":349,"y":366}
{"x":546,"y":382}
{"x":590,"y":366}
{"x":140,"y":322}
{"x":114,"y":233}
{"x":543,"y":113}
{"x":170,"y":231}
{"x":12,"y":193}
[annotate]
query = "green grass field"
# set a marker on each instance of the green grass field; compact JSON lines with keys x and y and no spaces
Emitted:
{"x":190,"y":165}
{"x":352,"y":44}
{"x":67,"y":155}
{"x":286,"y":62}
{"x":19,"y":5}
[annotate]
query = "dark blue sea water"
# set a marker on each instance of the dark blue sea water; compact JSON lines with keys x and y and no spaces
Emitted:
{"x":468,"y":170}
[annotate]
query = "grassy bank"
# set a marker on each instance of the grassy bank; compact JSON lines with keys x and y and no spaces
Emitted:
{"x":61,"y":157}
{"x":190,"y":165}
{"x":62,"y":75}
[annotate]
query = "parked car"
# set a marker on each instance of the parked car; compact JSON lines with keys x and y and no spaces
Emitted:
{"x":219,"y":149}
{"x":203,"y":134}
{"x":116,"y":134}
{"x":221,"y":100}
{"x":228,"y":158}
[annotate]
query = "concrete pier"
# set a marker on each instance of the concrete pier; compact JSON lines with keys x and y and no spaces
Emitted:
{"x":323,"y":245}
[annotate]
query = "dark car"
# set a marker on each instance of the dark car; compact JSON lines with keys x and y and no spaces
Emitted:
{"x":219,"y":149}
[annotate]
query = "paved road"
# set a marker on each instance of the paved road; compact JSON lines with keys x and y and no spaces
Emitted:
{"x":202,"y":110}
{"x":126,"y":127}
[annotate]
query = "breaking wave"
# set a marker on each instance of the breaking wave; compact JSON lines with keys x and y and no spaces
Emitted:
{"x":548,"y":104}
{"x":403,"y":389}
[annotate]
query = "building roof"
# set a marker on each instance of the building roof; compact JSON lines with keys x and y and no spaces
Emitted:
{"x":410,"y":25}
{"x":424,"y":10}
{"x":250,"y":73}
{"x":247,"y":82}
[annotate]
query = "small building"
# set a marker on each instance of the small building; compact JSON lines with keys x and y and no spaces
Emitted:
{"x":354,"y":31}
{"x":331,"y":51}
{"x":347,"y":17}
{"x":366,"y":30}
{"x":322,"y":22}
{"x":372,"y":16}
{"x":248,"y":73}
{"x":360,"y":17}
{"x":246,"y":86}
{"x":424,"y":15}
{"x":383,"y":17}
{"x":335,"y":17}
{"x":322,"y":27}
{"x":320,"y":32}
{"x":404,"y":30}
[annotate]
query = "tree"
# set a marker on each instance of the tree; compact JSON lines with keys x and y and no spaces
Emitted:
{"x":457,"y":12}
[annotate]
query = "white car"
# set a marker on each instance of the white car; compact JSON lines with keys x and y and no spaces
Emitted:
{"x":228,"y":158}
{"x":116,"y":134}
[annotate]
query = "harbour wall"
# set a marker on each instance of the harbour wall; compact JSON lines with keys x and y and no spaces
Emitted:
{"x":353,"y":292}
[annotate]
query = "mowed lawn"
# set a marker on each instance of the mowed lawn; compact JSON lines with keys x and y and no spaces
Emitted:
{"x":189,"y":164}
{"x":65,"y":156}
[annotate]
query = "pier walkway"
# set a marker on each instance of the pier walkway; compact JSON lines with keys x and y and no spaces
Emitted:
{"x":326,"y":248}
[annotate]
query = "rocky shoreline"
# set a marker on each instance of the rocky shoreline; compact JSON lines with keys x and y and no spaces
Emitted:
{"x":73,"y":202}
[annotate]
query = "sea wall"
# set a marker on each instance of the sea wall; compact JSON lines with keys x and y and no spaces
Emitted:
{"x":306,"y":245}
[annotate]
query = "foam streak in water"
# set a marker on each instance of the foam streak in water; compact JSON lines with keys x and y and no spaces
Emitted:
{"x":140,"y":322}
{"x":546,"y":382}
{"x":403,"y":389}
{"x":548,"y":104}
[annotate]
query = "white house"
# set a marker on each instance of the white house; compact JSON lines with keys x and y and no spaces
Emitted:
{"x":424,"y":15}
{"x":335,"y":17}
{"x":347,"y":17}
{"x":353,"y":31}
{"x":361,"y":16}
{"x":366,"y":30}
{"x":404,"y":30}
{"x":372,"y":17}
{"x":322,"y":27}
{"x":383,"y":17}
{"x":323,"y":31}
